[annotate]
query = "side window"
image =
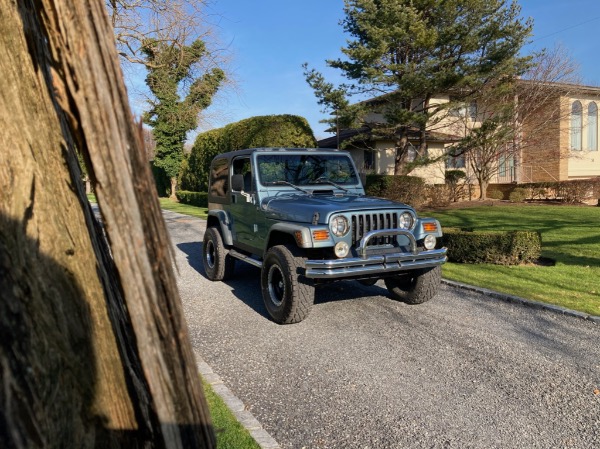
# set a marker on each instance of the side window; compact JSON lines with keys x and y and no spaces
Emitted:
{"x":218,"y":177}
{"x":592,"y":127}
{"x":241,"y":166}
{"x":576,"y":124}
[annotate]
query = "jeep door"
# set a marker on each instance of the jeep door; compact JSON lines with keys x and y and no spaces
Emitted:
{"x":247,"y":220}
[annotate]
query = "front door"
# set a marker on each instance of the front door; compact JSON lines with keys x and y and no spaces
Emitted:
{"x":245,"y":214}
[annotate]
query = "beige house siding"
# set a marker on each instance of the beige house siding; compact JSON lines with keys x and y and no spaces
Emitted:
{"x":584,"y":163}
{"x":545,"y":141}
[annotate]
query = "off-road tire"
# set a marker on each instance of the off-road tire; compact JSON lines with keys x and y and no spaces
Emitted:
{"x":218,"y":264}
{"x":416,"y":286}
{"x":287,"y":293}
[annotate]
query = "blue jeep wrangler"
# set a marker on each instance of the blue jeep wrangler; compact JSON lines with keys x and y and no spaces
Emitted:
{"x":302,"y":217}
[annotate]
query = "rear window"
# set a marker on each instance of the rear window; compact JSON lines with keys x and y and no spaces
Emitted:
{"x":219,"y":177}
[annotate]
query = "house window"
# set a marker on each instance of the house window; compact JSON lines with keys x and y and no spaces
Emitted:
{"x":576,"y":125}
{"x":369,"y":160}
{"x":592,"y":140}
{"x":454,"y":162}
{"x":506,"y":166}
{"x":472,"y":109}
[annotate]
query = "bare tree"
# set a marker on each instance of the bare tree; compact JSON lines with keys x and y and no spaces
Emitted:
{"x":93,"y":344}
{"x":173,"y":22}
{"x":519,"y":118}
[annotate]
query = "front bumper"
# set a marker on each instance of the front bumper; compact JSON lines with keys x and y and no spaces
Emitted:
{"x":369,"y":265}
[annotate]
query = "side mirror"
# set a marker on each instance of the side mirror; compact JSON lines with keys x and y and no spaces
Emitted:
{"x":237,"y":183}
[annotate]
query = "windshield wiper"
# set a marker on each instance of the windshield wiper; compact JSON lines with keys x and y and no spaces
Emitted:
{"x":327,"y":181}
{"x":291,"y":185}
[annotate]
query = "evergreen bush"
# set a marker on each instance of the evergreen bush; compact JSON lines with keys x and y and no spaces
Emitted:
{"x":289,"y":131}
{"x":199,"y":199}
{"x":518,"y":195}
{"x":495,"y":247}
{"x":406,"y":189}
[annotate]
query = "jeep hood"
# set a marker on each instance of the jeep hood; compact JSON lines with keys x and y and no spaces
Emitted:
{"x":302,"y":208}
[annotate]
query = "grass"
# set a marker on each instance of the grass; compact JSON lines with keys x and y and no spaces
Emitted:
{"x":168,"y":204}
{"x":570,"y":236}
{"x":186,"y":209}
{"x":230,"y":433}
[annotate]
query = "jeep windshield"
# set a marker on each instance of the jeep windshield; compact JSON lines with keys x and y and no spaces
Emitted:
{"x":306,"y":170}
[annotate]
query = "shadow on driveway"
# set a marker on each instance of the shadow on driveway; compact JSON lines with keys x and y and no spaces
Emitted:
{"x":246,"y":283}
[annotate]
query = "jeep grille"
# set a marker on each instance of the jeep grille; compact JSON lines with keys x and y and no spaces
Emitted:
{"x":365,"y":222}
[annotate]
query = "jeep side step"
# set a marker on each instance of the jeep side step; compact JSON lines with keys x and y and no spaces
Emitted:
{"x":245,"y":258}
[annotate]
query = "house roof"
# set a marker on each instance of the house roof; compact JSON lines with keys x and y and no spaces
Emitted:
{"x":365,"y":134}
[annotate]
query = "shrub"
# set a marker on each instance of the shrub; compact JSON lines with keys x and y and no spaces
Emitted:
{"x":439,"y":195}
{"x":495,"y":194}
{"x":406,"y":189}
{"x":518,"y":195}
{"x":199,"y":199}
{"x":574,"y":191}
{"x":288,"y":131}
{"x":497,"y":247}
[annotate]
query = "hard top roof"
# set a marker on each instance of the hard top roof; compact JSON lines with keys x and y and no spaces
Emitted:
{"x":249,"y":151}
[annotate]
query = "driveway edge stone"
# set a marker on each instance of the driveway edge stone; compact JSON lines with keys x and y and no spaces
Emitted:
{"x":525,"y":302}
{"x":237,"y":407}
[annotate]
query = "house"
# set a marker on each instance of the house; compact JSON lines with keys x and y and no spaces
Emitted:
{"x":557,"y":138}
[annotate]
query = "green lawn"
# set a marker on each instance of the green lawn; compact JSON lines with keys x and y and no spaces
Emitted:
{"x":166,"y":203}
{"x":230,"y":433}
{"x":570,"y":236}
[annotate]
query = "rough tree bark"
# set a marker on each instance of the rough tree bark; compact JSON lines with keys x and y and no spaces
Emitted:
{"x":94,"y":349}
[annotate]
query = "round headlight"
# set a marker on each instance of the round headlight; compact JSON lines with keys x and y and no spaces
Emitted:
{"x":429,"y":242}
{"x":339,"y":226}
{"x":341,"y":249}
{"x":407,"y":220}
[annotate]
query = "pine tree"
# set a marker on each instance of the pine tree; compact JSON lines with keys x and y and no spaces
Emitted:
{"x":403,"y":52}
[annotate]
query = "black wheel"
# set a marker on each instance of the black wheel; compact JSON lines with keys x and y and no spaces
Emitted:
{"x":415,"y":287}
{"x":287,"y":294}
{"x":218,"y":264}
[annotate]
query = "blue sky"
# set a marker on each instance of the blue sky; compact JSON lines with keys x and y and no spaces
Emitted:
{"x":270,"y":39}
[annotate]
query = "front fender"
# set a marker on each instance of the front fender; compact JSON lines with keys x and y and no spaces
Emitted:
{"x":302,"y":234}
{"x":421,"y":229}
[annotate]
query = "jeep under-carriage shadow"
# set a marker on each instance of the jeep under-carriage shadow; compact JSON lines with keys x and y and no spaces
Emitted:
{"x":302,"y":217}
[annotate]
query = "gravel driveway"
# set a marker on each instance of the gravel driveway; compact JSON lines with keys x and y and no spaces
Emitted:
{"x":364,"y":371}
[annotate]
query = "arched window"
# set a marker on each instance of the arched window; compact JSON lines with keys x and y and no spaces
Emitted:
{"x":576,"y":124}
{"x":592,"y":140}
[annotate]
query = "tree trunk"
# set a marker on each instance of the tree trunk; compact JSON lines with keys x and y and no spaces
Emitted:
{"x":173,"y":195}
{"x":401,"y":151}
{"x":85,"y":359}
{"x":483,"y":185}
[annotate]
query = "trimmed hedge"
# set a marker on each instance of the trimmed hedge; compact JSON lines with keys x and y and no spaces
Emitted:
{"x":495,"y":247}
{"x":572,"y":191}
{"x":289,"y":131}
{"x":199,"y":199}
{"x":406,"y":189}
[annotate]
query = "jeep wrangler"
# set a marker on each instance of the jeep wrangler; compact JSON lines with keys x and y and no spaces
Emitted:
{"x":302,"y":217}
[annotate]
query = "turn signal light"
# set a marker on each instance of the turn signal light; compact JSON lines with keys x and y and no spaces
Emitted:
{"x":429,"y":227}
{"x":321,"y":234}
